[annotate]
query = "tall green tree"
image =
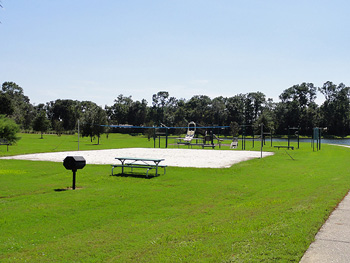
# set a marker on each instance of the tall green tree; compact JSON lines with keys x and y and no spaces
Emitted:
{"x":159,"y":103}
{"x":6,"y":105}
{"x":293,"y":110}
{"x":253,"y":107}
{"x":23,"y":111}
{"x":218,"y":111}
{"x":8,"y":129}
{"x":118,"y":113}
{"x":335,"y":110}
{"x":137,"y":114}
{"x":93,"y":118}
{"x":65,"y":112}
{"x":198,"y":109}
{"x":235,"y":109}
{"x":180,"y":115}
{"x":41,"y":122}
{"x":258,"y":100}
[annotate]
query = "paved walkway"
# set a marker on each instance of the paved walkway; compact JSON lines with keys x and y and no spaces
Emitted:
{"x":332,"y":242}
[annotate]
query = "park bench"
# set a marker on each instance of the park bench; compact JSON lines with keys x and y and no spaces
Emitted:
{"x":142,"y":163}
{"x":5,"y":142}
{"x":287,"y":147}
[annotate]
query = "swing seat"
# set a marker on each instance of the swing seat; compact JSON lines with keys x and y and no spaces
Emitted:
{"x":234,"y":144}
{"x":189,"y":136}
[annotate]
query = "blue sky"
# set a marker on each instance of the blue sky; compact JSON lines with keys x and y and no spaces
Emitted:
{"x":96,"y":50}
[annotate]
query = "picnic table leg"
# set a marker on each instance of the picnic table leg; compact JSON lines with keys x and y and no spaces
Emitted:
{"x":123,"y":166}
{"x":156,"y":168}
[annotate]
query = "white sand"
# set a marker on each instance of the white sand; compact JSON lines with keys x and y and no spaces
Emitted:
{"x":173,"y":157}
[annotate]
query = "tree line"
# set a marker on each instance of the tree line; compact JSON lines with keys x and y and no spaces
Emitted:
{"x":242,"y":112}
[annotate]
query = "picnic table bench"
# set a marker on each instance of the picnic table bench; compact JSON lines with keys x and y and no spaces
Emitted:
{"x":208,"y":145}
{"x":288,"y":147}
{"x":146,"y":163}
{"x":5,"y":142}
{"x":198,"y":142}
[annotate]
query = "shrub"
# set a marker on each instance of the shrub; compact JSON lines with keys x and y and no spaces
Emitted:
{"x":8,"y":129}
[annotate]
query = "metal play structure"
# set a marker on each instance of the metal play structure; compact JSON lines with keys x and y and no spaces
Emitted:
{"x":190,"y":132}
{"x":316,"y":139}
{"x":296,"y":133}
{"x":254,"y":137}
{"x":207,"y":139}
{"x":203,"y":136}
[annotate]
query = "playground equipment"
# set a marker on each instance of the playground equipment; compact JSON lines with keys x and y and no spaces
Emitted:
{"x":220,"y":141}
{"x":159,"y":133}
{"x":234,"y":143}
{"x":266,"y":134}
{"x":244,"y":129}
{"x":316,"y":136}
{"x":206,"y":140}
{"x":190,"y":132}
{"x":296,"y":133}
{"x":254,"y":137}
{"x":189,"y":137}
{"x":163,"y":131}
{"x":206,"y":137}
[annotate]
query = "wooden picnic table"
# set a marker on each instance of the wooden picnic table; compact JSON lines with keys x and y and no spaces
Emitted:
{"x":135,"y":162}
{"x":5,"y":142}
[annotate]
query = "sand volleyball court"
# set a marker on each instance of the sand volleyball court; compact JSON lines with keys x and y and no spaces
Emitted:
{"x":173,"y":157}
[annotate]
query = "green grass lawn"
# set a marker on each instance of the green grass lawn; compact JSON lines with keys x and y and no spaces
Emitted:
{"x":31,"y":143}
{"x":261,"y":210}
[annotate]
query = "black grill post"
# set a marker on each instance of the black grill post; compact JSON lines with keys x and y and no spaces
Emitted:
{"x":74,"y":163}
{"x":74,"y":172}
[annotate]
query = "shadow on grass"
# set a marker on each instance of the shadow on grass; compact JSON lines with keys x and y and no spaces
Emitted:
{"x":136,"y":175}
{"x":66,"y":189}
{"x":61,"y":190}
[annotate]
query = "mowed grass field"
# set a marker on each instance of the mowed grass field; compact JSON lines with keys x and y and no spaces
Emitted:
{"x":261,"y":210}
